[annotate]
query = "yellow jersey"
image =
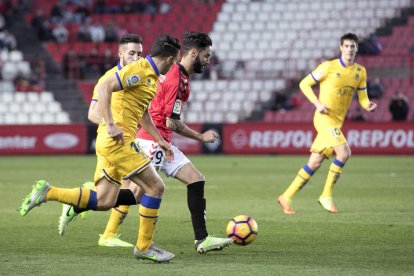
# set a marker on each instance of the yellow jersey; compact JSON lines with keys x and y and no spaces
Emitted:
{"x":138,"y":82}
{"x":338,"y":84}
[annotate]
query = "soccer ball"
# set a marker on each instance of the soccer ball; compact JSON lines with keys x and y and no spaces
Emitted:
{"x":242,"y":229}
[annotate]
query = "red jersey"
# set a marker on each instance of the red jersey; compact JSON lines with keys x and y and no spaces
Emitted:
{"x":172,"y":92}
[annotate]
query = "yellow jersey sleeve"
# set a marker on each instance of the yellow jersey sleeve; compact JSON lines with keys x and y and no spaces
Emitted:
{"x":313,"y":78}
{"x":320,"y":73}
{"x":362,"y":90}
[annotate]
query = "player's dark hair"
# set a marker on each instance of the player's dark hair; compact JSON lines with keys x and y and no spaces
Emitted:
{"x":196,"y":40}
{"x":349,"y":36}
{"x":165,"y":46}
{"x":130,"y":38}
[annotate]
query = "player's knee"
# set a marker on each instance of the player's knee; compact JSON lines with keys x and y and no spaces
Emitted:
{"x":344,"y":155}
{"x":105,"y":203}
{"x":196,"y":177}
{"x":315,"y":164}
{"x":157,"y":187}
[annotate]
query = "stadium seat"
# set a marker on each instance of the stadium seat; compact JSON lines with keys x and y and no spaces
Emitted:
{"x":15,"y":56}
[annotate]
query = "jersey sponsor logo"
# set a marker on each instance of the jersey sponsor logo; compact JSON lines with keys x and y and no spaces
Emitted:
{"x":345,"y":91}
{"x":132,"y":80}
{"x":61,"y":140}
{"x":177,"y":107}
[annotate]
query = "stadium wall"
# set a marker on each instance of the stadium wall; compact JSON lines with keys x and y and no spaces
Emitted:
{"x":242,"y":138}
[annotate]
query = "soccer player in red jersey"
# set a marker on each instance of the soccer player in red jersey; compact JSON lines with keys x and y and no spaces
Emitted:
{"x":165,"y":111}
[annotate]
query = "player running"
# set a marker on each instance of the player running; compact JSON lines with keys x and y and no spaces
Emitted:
{"x":339,"y":79}
{"x":165,"y":110}
{"x":117,"y":151}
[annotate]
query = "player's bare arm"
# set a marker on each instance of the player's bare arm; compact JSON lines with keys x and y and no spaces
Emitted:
{"x":105,"y":90}
{"x":94,"y":113}
{"x":147,"y":124}
{"x":181,"y":128}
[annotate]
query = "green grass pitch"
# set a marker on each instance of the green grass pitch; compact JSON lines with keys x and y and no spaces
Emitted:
{"x":373,"y":233}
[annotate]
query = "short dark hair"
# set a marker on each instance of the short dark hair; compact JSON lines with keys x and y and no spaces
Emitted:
{"x":196,"y":40}
{"x":349,"y":36}
{"x":130,"y":38}
{"x":165,"y":46}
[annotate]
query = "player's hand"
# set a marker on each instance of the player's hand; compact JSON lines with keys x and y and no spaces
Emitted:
{"x":371,"y":106}
{"x":321,"y":107}
{"x":166,"y":147}
{"x":115,"y":133}
{"x":210,"y":136}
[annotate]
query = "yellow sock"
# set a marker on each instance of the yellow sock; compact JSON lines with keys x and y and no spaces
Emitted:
{"x":300,"y":180}
{"x":78,"y":197}
{"x":148,"y":213}
{"x":334,"y":173}
{"x":118,"y":215}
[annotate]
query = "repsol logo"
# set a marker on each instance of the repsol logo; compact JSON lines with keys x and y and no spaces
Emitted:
{"x":280,"y":139}
{"x":396,"y":138}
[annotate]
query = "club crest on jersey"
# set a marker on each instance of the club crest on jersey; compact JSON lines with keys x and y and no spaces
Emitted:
{"x":148,"y":82}
{"x":356,"y":77}
{"x":132,"y":80}
{"x":177,"y":107}
{"x":338,"y":75}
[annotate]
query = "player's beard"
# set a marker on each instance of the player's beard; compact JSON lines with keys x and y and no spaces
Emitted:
{"x":197,"y":66}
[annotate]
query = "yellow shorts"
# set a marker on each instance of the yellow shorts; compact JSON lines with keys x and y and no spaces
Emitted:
{"x":116,"y":161}
{"x":327,"y":139}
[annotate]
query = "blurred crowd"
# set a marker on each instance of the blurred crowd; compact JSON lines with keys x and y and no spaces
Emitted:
{"x":52,"y":26}
{"x":23,"y":79}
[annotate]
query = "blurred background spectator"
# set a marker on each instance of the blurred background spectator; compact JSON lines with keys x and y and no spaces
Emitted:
{"x":375,"y":88}
{"x":60,"y":33}
{"x":370,"y":46}
{"x":358,"y":115}
{"x":399,"y":107}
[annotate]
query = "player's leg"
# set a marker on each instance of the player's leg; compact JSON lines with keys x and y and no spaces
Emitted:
{"x":106,"y":194}
{"x":343,"y":152}
{"x":153,"y":186}
{"x":182,"y":169}
{"x":301,"y":179}
{"x":110,"y":237}
{"x":42,"y":191}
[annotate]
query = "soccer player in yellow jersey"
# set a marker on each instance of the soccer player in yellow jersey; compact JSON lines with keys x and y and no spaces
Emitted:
{"x":339,"y":79}
{"x":116,"y":144}
{"x":130,"y":50}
